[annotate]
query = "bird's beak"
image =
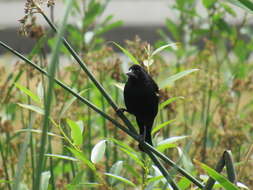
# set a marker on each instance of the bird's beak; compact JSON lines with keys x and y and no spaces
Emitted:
{"x":130,"y":73}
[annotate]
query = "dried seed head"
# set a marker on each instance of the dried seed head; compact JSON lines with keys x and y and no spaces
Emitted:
{"x":50,"y":3}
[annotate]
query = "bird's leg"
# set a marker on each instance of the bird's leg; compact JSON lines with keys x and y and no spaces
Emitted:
{"x":142,"y":138}
{"x":143,"y":135}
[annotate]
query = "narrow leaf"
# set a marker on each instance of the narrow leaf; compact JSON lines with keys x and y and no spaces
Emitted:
{"x":169,"y":143}
{"x":116,"y":170}
{"x":158,"y":127}
{"x":163,"y":147}
{"x":244,"y":4}
{"x":38,"y":131}
{"x":120,"y":143}
{"x":109,"y":27}
{"x":155,"y":178}
{"x":28,"y":92}
{"x":172,"y":140}
{"x":132,"y":58}
{"x":61,"y":157}
{"x":159,"y":173}
{"x":172,"y":45}
{"x":81,"y":156}
{"x":76,"y":132}
{"x":133,"y":156}
{"x":32,"y":108}
{"x":122,"y":179}
{"x":45,"y":176}
{"x":175,"y":77}
{"x":169,"y":101}
{"x":223,"y":181}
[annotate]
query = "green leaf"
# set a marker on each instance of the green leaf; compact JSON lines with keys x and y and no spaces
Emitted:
{"x":133,"y":156}
{"x":28,"y":92}
{"x":98,"y":151}
{"x":169,"y":101}
{"x":45,"y":176}
{"x":116,"y":170}
{"x":158,"y":173}
{"x":186,"y":161}
{"x":120,"y":143}
{"x":32,"y":108}
{"x":75,"y":182}
{"x":229,"y":9}
{"x":175,"y":77}
{"x":244,"y":4}
{"x":169,"y":142}
{"x":132,"y":58}
{"x":5,"y":181}
{"x":61,"y":157}
{"x":122,"y":179}
{"x":93,"y":11}
{"x":155,"y":178}
{"x":172,"y":140}
{"x":222,"y":25}
{"x":158,"y":50}
{"x":208,"y":3}
{"x":158,"y":127}
{"x":163,"y":147}
{"x":184,"y":183}
{"x":173,"y":28}
{"x":38,"y":131}
{"x":81,"y":156}
{"x":76,"y":132}
{"x":223,"y":181}
{"x":109,"y":27}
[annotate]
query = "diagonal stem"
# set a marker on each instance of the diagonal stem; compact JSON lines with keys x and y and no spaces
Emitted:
{"x":129,"y":132}
{"x":91,"y":76}
{"x":120,"y":114}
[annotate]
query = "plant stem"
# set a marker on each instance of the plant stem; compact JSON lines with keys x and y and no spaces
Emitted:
{"x":92,"y":106}
{"x":48,"y":98}
{"x":91,"y":76}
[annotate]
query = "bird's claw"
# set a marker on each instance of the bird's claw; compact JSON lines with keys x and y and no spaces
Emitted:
{"x":121,"y":110}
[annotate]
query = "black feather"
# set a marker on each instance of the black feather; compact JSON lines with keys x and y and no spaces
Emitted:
{"x":141,"y":99}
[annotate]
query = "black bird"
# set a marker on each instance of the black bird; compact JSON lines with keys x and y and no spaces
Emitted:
{"x":141,"y":99}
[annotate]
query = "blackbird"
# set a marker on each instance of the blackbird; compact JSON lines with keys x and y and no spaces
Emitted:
{"x":141,"y":99}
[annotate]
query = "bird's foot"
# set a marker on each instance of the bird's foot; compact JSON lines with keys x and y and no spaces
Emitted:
{"x":121,"y":110}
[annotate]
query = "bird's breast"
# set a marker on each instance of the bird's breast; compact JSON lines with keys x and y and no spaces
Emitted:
{"x":141,"y":99}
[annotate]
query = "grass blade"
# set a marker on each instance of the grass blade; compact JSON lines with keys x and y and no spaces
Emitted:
{"x":175,"y":77}
{"x":223,"y":181}
{"x":127,"y":53}
{"x":48,"y":98}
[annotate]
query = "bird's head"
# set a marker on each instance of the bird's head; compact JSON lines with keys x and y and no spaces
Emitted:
{"x":136,"y":72}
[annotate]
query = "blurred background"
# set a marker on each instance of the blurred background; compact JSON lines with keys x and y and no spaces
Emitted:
{"x":205,"y":80}
{"x":140,"y":17}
